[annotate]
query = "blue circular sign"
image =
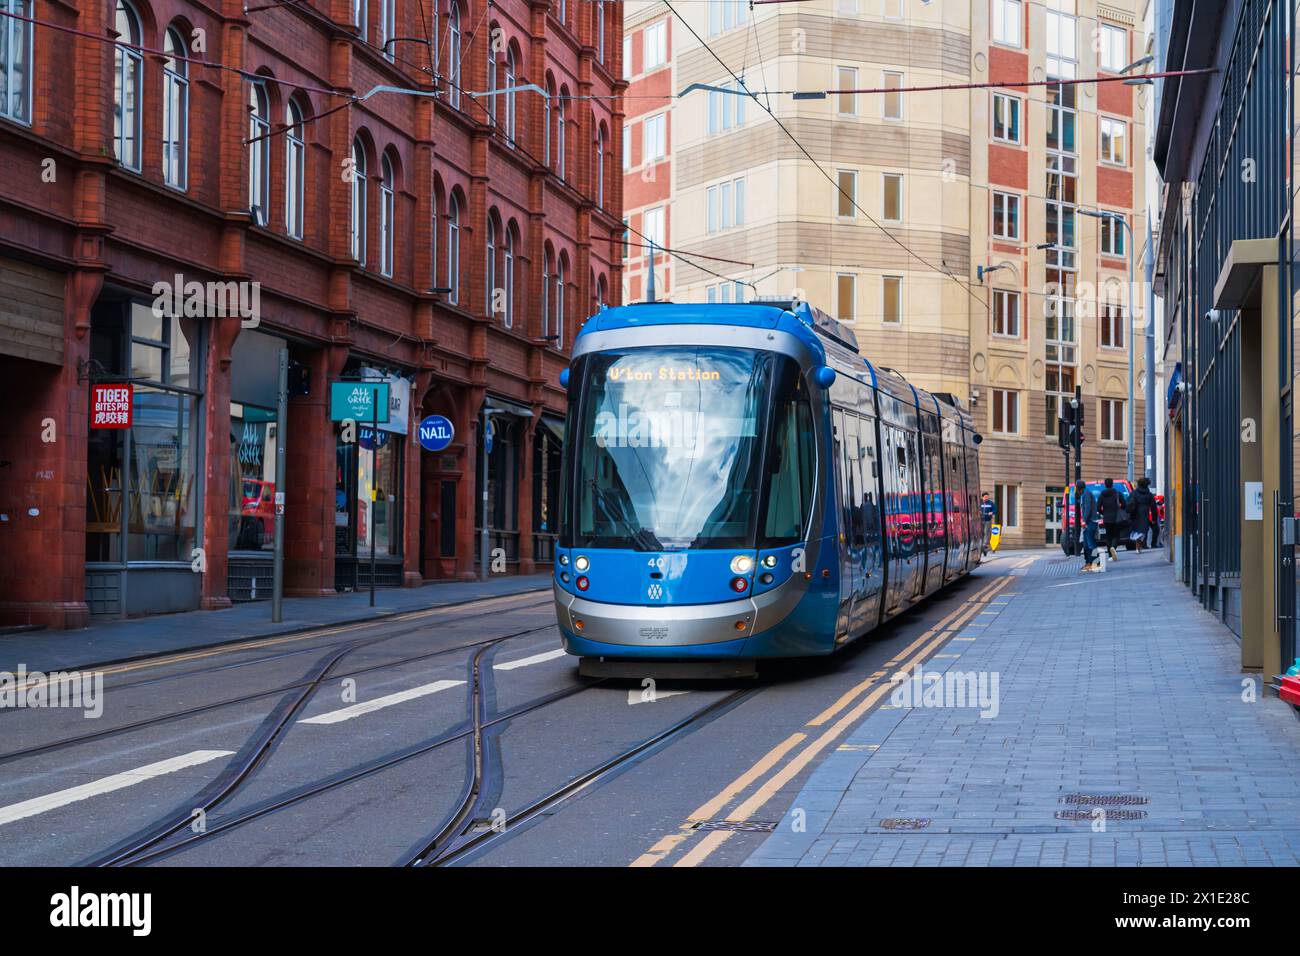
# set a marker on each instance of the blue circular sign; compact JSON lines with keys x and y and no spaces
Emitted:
{"x":436,"y":433}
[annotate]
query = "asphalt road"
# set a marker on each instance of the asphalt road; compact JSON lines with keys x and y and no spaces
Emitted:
{"x":360,"y":745}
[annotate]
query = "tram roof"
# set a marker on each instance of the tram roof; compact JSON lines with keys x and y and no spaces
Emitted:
{"x":798,"y":317}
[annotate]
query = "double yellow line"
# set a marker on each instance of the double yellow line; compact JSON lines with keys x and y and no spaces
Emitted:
{"x":917,"y":651}
{"x":184,"y":656}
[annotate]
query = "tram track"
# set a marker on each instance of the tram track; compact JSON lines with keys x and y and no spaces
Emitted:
{"x":456,"y":836}
{"x":254,"y":754}
{"x":110,"y":732}
{"x":166,"y":658}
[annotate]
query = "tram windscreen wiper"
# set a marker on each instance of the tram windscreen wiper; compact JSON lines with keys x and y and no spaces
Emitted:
{"x":643,"y":539}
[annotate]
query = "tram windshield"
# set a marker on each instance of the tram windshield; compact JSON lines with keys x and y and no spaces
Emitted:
{"x":672,"y":450}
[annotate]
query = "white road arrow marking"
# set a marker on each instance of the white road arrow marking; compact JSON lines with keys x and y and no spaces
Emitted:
{"x":634,"y":696}
{"x":379,"y":703}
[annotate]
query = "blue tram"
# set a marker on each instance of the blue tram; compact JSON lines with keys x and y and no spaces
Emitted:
{"x":740,"y":483}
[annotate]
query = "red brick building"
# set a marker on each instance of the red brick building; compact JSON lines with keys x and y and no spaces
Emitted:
{"x":161,"y":151}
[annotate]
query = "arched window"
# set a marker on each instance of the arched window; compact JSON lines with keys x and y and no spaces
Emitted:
{"x":16,"y":62}
{"x":295,"y":170}
{"x":453,"y":54}
{"x":128,"y":88}
{"x":387,"y":217}
{"x":176,"y":110}
{"x":512,"y":70}
{"x":491,"y":270}
{"x":453,"y":250}
{"x":546,"y":120}
{"x":358,"y":202}
{"x":492,"y":77}
{"x":600,"y":30}
{"x":602,"y":293}
{"x":387,"y":26}
{"x":360,"y":14}
{"x":259,"y":154}
{"x":600,"y":166}
{"x":561,"y":275}
{"x":433,"y":234}
{"x":560,"y":111}
{"x":547,"y":267}
{"x":508,"y":316}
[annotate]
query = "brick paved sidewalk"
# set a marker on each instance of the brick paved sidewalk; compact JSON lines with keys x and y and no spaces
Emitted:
{"x":117,"y":640}
{"x":1115,"y":690}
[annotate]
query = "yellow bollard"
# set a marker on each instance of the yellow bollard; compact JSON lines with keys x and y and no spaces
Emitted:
{"x":994,"y":534}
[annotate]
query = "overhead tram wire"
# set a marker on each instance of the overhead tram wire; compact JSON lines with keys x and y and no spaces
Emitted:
{"x":904,"y":246}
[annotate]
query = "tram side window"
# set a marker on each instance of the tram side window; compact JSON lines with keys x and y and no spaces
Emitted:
{"x":853,"y":459}
{"x":791,"y":469}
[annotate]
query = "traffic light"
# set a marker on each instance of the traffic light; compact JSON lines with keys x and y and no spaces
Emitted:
{"x":1069,"y":426}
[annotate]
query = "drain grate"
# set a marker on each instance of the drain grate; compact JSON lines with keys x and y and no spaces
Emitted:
{"x":747,"y":826}
{"x":905,"y":823}
{"x":1110,"y":814}
{"x":1106,"y":799}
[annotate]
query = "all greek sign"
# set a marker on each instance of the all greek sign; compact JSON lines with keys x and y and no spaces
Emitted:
{"x":357,"y":401}
{"x":436,"y":433}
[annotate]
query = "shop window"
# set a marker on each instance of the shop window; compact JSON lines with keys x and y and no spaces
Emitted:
{"x":141,"y":481}
{"x":368,"y":483}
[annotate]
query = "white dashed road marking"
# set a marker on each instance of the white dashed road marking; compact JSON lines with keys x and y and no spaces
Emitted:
{"x":128,"y":778}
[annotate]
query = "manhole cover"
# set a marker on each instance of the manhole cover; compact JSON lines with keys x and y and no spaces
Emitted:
{"x":1110,"y":814}
{"x":905,"y":823}
{"x":1106,"y":799}
{"x":747,"y":826}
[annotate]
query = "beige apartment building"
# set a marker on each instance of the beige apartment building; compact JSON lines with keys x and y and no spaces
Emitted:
{"x":905,"y":200}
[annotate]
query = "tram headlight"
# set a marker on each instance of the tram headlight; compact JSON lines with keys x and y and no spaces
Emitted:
{"x":581,"y":562}
{"x":769,"y":561}
{"x":564,"y":560}
{"x":739,"y":585}
{"x":582,"y":583}
{"x":742,"y":564}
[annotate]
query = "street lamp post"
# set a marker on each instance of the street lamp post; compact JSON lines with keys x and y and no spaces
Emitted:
{"x":1128,"y":331}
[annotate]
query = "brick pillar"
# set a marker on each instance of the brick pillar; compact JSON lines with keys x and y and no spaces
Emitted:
{"x":43,"y":471}
{"x":527,"y":564}
{"x":468,"y":494}
{"x":309,"y":479}
{"x":412,"y":513}
{"x":216,"y":462}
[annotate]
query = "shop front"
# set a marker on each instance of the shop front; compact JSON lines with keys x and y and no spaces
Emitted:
{"x":144,"y":462}
{"x":369,"y":487}
{"x":509,"y":426}
{"x":254,"y":437}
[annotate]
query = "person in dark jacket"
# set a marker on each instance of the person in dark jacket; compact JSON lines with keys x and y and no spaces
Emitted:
{"x":1111,"y":506}
{"x":1143,"y":512}
{"x":1087,"y":506}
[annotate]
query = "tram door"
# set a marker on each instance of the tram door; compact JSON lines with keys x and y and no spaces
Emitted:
{"x":899,"y":465}
{"x":845,"y":530}
{"x":936,"y":537}
{"x":866,"y":607}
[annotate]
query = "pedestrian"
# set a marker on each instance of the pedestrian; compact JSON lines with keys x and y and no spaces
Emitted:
{"x":1087,"y":510}
{"x":1142,"y":512}
{"x":1111,"y":507}
{"x":988,"y":511}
